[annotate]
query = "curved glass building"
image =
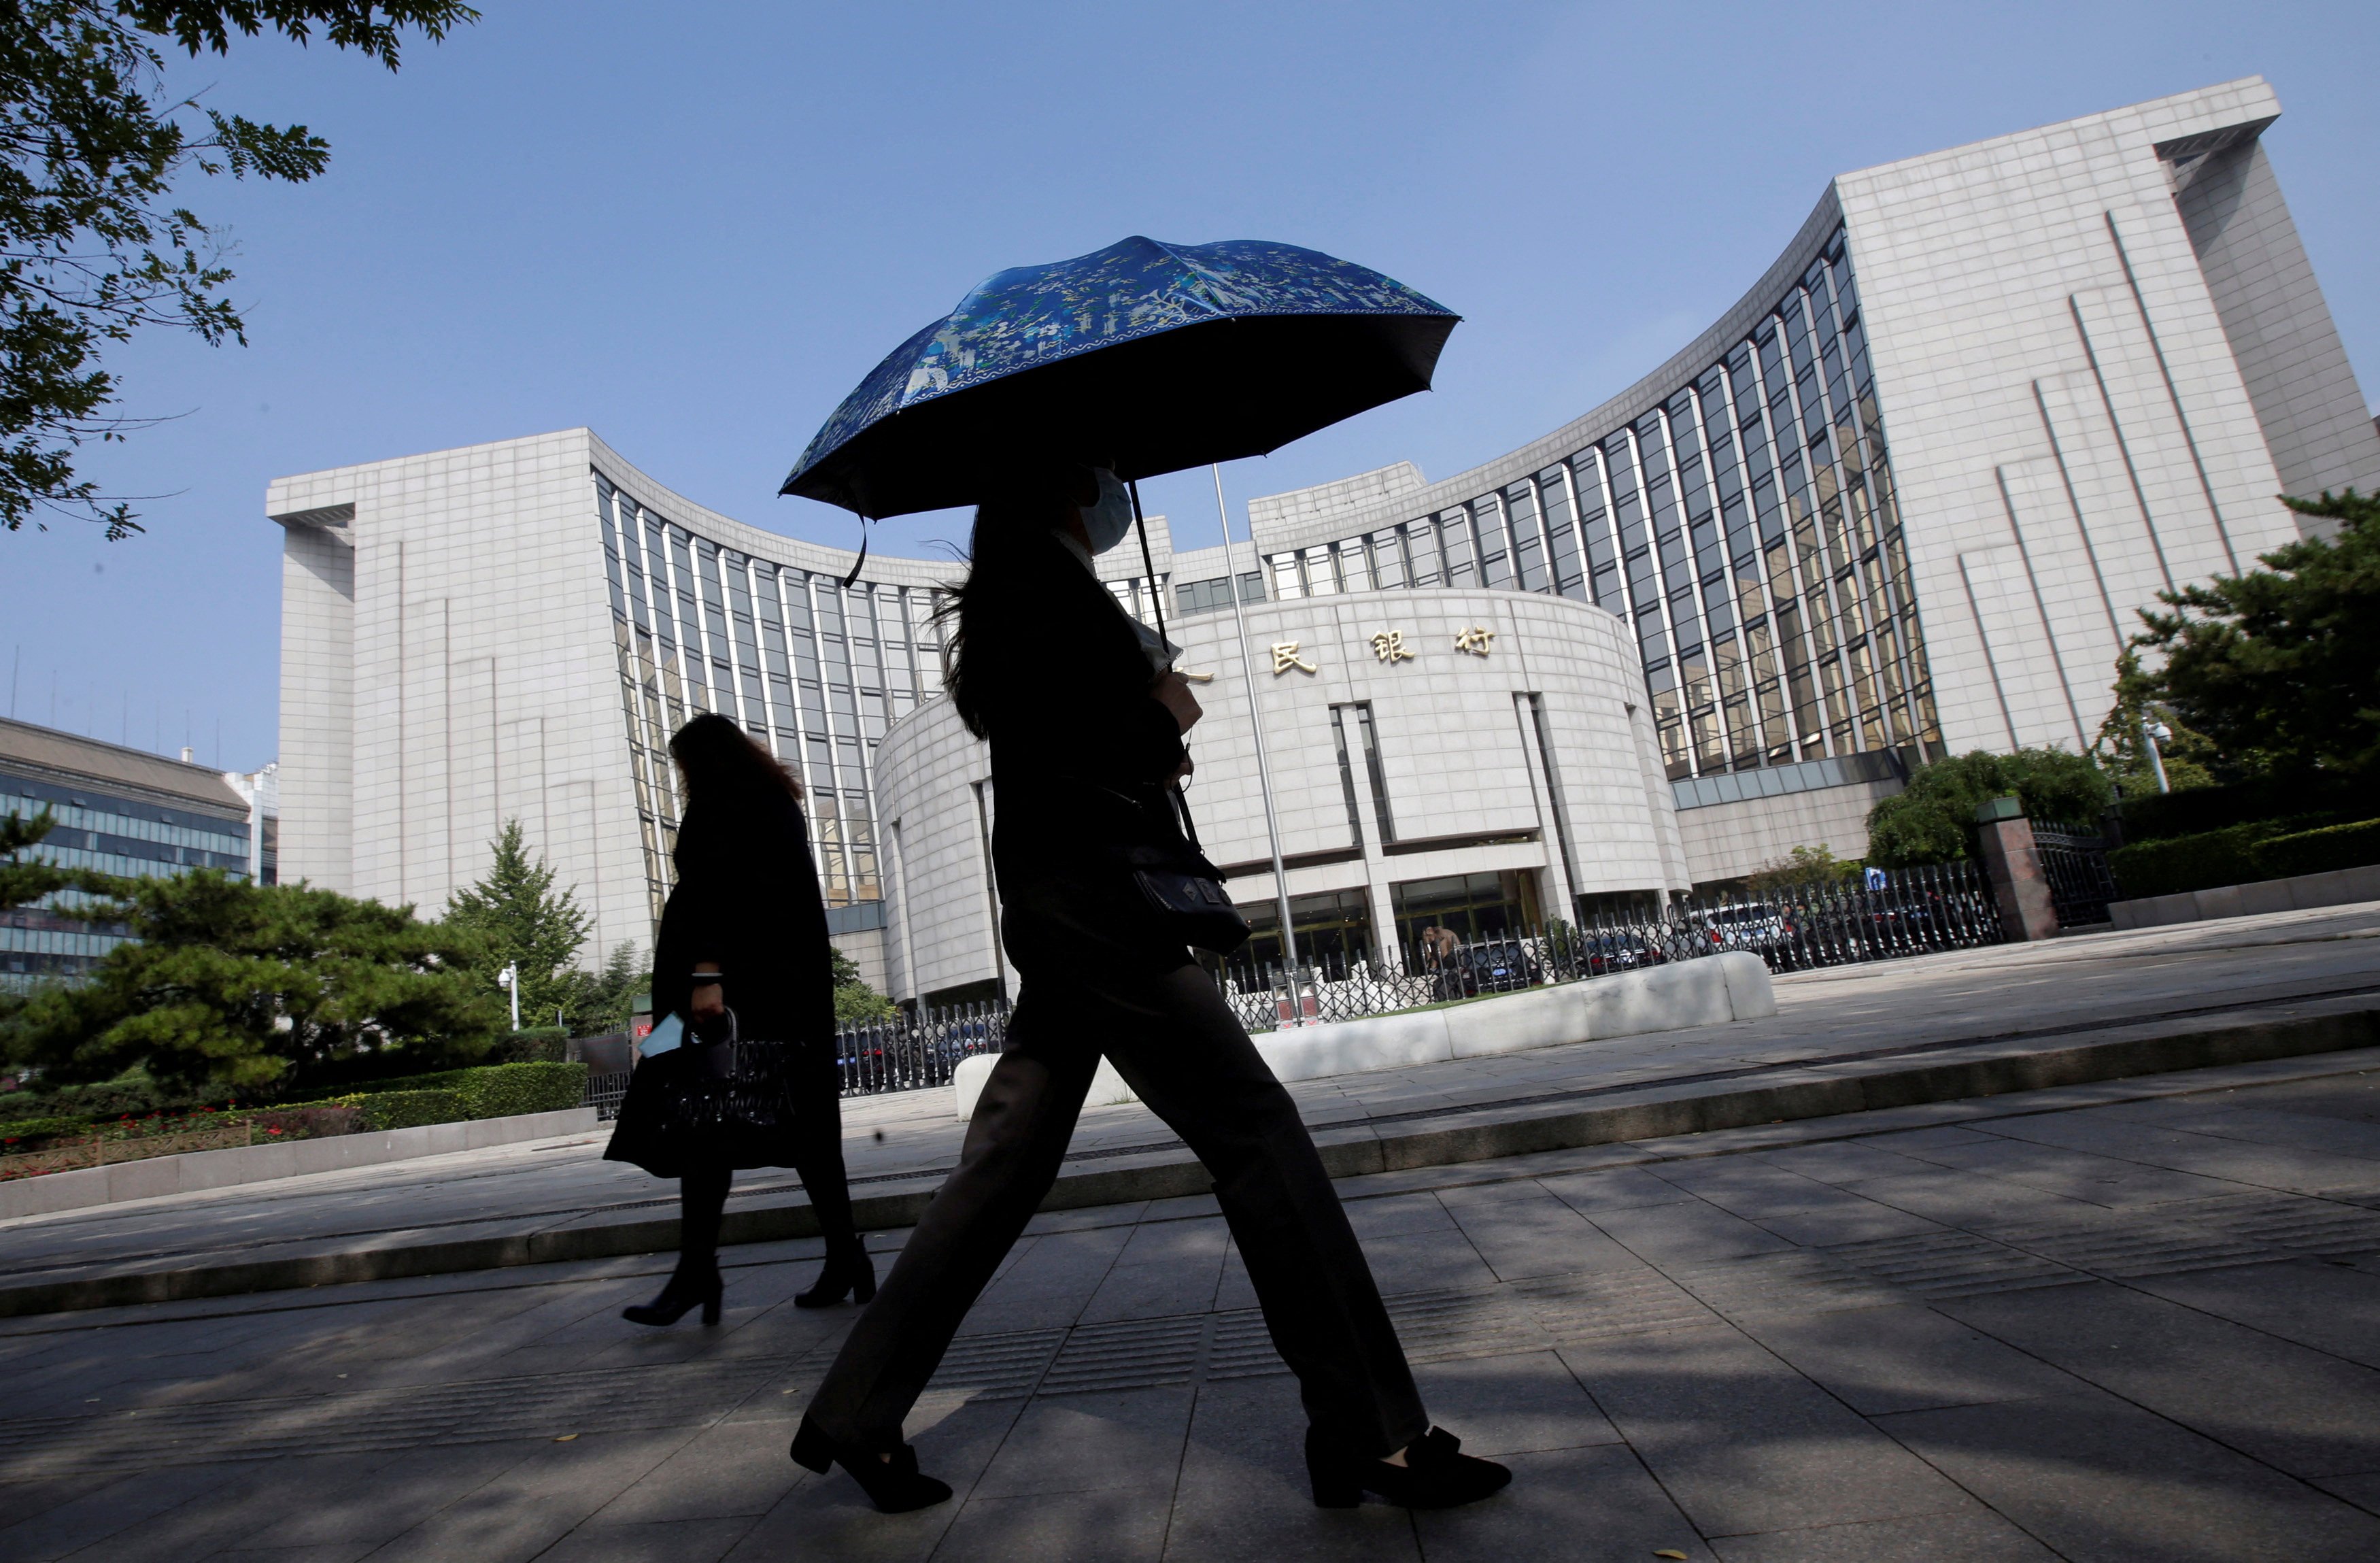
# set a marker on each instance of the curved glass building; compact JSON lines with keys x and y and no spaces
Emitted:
{"x":1904,"y":498}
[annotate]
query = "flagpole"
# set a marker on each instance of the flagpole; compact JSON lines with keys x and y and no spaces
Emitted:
{"x":1255,"y":726}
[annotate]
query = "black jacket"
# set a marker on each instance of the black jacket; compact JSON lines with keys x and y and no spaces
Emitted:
{"x":748,"y":897}
{"x":1080,"y":754}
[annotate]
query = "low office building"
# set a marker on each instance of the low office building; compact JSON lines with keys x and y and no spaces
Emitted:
{"x":115,"y":810}
{"x":1901,"y":500}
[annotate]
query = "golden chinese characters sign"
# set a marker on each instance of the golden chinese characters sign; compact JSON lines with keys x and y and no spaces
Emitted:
{"x":1284,"y":657}
{"x":1475,"y":640}
{"x":1389,"y":645}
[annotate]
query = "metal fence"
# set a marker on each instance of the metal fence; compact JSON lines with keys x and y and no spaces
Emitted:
{"x":2074,"y":858}
{"x":919,"y":1049}
{"x":1877,"y":917}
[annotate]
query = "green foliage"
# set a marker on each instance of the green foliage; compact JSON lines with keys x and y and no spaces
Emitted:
{"x":24,"y":882}
{"x":531,"y":1044}
{"x":2122,"y":747}
{"x":854,"y":1002}
{"x":2197,"y":862}
{"x":406,"y":1109}
{"x":515,"y":915}
{"x":256,"y":988}
{"x":91,"y":143}
{"x":493,"y":1091}
{"x":595,"y":1004}
{"x":2280,"y":668}
{"x":1933,"y":820}
{"x":1804,"y":866}
{"x":2318,"y":851}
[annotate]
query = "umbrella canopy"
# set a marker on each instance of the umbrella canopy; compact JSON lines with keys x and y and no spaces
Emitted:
{"x":1144,"y":357}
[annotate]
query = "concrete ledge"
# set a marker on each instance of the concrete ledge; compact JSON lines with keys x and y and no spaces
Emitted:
{"x":257,"y":1164}
{"x":1712,"y":990}
{"x":1652,"y":1112}
{"x":2304,"y":892}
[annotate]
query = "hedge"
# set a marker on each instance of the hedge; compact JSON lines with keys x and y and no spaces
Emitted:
{"x":2196,"y":862}
{"x":404,"y":1109}
{"x":2318,"y":851}
{"x":492,"y":1091}
{"x":533,"y":1045}
{"x":2200,"y":811}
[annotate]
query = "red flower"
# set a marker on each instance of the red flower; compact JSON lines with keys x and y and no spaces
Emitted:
{"x":275,"y":1129}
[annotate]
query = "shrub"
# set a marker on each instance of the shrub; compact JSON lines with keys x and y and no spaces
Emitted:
{"x":2159,"y":816}
{"x":2196,"y":862}
{"x":507,"y":1090}
{"x":33,"y":1134}
{"x":534,"y":1045}
{"x":307,"y":1122}
{"x":2318,"y":851}
{"x":1933,"y":821}
{"x":404,"y":1109}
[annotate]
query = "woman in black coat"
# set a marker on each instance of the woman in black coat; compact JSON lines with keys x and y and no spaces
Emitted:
{"x":745,"y":930}
{"x":1086,"y":718}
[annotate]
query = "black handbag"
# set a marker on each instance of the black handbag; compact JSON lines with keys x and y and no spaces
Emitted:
{"x":715,"y":1100}
{"x":1186,"y":891}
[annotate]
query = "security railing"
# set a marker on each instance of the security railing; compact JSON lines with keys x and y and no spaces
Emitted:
{"x":916,"y":1049}
{"x":2074,"y":860}
{"x":1877,"y":917}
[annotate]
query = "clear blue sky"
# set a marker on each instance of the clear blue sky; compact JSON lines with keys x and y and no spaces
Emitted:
{"x":694,"y":227}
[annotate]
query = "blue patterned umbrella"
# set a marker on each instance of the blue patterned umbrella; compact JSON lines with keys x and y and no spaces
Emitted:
{"x":1145,"y":357}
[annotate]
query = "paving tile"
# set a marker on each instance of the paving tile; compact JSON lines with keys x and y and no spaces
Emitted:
{"x":2078,"y":1175}
{"x":404,"y":1488}
{"x":1242,"y":1490}
{"x":1127,"y":1525}
{"x":2099,"y":1481}
{"x":1520,"y":1229}
{"x":1901,"y":1358}
{"x":1970,"y":1535}
{"x":2327,"y":1304}
{"x":1624,"y":1188}
{"x":1091,"y":1443}
{"x":737,"y":1469}
{"x":1690,"y":1231}
{"x":534,"y":1504}
{"x":1590,"y":1503}
{"x":1512,"y":1405}
{"x":2294,"y":1168}
{"x":659,"y":1541}
{"x":2303,"y":1411}
{"x":1744,"y":1444}
{"x":104,"y":1512}
{"x":1842,"y":1162}
{"x":2363,"y":1492}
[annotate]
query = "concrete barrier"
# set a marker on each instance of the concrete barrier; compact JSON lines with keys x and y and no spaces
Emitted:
{"x":2336,"y":887}
{"x":195,"y":1170}
{"x":1710,"y":991}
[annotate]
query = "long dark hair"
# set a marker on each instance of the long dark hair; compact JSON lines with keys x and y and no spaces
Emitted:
{"x":722,"y":764}
{"x":983,"y":616}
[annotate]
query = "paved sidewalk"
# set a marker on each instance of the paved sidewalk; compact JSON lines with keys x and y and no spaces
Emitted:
{"x":2044,"y":1326}
{"x":2038,"y":995}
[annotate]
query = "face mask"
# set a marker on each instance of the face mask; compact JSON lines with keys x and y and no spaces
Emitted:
{"x":1106,"y":522}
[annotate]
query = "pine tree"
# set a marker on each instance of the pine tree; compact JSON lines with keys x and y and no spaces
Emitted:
{"x":22,"y":882}
{"x":229,"y":983}
{"x":517,"y":917}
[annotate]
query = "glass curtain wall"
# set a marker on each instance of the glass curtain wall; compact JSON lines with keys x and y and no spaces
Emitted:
{"x":815,"y":671}
{"x":1746,"y":527}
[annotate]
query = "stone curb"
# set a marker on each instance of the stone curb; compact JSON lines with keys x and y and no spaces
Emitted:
{"x":1699,"y":1110}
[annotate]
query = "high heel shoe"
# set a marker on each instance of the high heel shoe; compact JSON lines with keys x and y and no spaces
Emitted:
{"x":895,"y":1486}
{"x":677,"y":1296}
{"x":847,"y":1270}
{"x":1436,"y":1474}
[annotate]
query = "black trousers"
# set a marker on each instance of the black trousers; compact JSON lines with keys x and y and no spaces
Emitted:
{"x":1180,"y":1047}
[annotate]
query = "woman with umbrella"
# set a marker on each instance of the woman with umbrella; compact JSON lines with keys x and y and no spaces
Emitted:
{"x":1087,"y":751}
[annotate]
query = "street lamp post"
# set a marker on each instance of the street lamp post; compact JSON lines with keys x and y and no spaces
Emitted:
{"x":1256,"y":730}
{"x":510,"y":978}
{"x":2156,"y":733}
